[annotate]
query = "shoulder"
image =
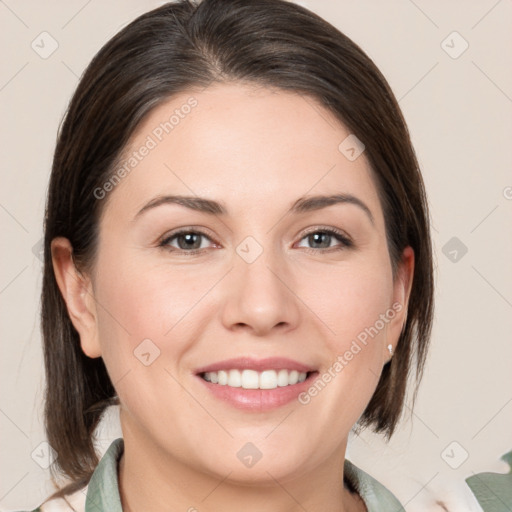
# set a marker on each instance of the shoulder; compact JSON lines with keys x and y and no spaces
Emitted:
{"x":375,"y":496}
{"x":493,"y":490}
{"x":102,"y":489}
{"x":72,"y":503}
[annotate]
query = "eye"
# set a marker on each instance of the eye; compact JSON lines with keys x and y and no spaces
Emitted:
{"x":186,"y":241}
{"x":192,"y":241}
{"x":327,"y":239}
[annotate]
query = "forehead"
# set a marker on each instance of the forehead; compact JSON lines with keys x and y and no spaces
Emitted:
{"x":243,"y":144}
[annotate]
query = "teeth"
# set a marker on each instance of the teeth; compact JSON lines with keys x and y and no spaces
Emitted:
{"x":234,"y":379}
{"x":268,"y":379}
{"x":251,"y":379}
{"x":282,"y":378}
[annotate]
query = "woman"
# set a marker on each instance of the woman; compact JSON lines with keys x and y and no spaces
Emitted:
{"x":237,"y":253}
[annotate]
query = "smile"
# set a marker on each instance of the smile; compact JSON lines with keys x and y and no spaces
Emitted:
{"x":256,"y":385}
{"x":252,"y":379}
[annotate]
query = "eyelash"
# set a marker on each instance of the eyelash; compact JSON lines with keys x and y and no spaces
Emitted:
{"x":346,"y":242}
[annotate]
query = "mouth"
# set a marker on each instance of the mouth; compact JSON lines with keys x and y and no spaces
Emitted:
{"x":257,"y":385}
{"x":252,"y":379}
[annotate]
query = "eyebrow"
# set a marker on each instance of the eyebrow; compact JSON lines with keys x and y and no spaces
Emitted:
{"x":301,"y":205}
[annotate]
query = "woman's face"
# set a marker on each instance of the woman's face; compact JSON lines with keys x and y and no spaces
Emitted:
{"x":262,"y":279}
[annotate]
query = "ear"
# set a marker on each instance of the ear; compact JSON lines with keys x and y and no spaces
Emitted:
{"x":401,"y":292}
{"x":77,"y":292}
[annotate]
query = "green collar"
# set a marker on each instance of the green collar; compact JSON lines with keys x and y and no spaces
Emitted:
{"x":103,"y":488}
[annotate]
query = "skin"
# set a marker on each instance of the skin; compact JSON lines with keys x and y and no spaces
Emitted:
{"x":307,"y":302}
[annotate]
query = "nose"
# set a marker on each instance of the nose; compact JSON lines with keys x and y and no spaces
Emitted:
{"x":259,"y":297}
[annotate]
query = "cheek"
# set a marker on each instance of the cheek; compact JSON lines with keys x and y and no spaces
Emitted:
{"x":146,"y":326}
{"x":353,"y":308}
{"x":349,"y":300}
{"x":138,"y":301}
{"x":362,"y":302}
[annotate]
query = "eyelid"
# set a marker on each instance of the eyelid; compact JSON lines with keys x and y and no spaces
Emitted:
{"x":320,"y":227}
{"x":164,"y":239}
{"x":344,"y":239}
{"x":328,"y":229}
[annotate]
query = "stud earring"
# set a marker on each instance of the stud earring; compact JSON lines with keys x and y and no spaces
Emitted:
{"x":390,"y":348}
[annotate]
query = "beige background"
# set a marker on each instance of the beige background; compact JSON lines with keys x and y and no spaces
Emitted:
{"x":459,"y":113}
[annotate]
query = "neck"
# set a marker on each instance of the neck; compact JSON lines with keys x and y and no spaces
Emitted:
{"x":150,"y":481}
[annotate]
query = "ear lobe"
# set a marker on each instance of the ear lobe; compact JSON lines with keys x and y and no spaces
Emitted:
{"x":401,"y":292}
{"x":77,"y":292}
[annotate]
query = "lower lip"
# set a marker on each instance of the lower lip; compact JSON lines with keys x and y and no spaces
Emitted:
{"x":258,"y":400}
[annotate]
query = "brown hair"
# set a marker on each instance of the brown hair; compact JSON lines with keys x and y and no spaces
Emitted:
{"x":174,"y":48}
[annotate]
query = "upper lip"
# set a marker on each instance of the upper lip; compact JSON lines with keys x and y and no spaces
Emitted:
{"x":248,"y":363}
